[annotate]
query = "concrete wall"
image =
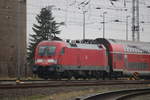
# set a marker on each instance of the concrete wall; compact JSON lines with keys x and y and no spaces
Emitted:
{"x":12,"y":36}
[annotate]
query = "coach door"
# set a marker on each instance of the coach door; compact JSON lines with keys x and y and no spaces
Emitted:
{"x":125,"y":61}
{"x":78,"y":60}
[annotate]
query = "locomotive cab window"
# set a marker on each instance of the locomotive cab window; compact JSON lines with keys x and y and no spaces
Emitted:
{"x":47,"y":50}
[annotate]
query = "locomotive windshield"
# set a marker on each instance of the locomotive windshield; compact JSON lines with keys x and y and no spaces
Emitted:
{"x":47,"y":50}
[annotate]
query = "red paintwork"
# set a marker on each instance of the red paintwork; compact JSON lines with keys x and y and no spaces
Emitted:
{"x":59,"y":45}
{"x":117,"y":48}
{"x":73,"y":56}
{"x":114,"y":50}
{"x":83,"y":57}
{"x":139,"y":58}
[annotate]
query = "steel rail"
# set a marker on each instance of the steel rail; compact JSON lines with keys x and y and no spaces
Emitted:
{"x":126,"y":97}
{"x":124,"y":81}
{"x":116,"y":95}
{"x":61,"y":83}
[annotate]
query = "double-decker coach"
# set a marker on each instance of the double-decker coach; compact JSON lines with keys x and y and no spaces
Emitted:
{"x":127,"y":57}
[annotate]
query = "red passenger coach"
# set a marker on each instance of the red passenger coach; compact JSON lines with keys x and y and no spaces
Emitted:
{"x":55,"y":59}
{"x":127,"y":57}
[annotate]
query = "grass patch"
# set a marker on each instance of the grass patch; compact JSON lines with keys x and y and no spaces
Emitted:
{"x":22,"y":78}
{"x":36,"y":97}
{"x":57,"y":96}
{"x":7,"y":78}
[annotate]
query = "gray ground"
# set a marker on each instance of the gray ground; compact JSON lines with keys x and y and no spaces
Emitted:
{"x":16,"y":94}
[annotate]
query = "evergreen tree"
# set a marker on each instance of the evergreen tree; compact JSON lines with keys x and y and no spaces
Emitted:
{"x":45,"y":29}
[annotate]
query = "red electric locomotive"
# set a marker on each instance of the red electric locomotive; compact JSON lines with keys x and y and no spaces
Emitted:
{"x":58,"y":59}
{"x":107,"y":57}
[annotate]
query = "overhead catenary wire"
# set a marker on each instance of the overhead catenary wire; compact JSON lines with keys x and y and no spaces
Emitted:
{"x":68,"y":11}
{"x":31,"y":13}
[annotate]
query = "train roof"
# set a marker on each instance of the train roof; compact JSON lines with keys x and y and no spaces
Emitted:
{"x":84,"y":46}
{"x":124,"y":42}
{"x":128,"y":46}
{"x":72,"y":45}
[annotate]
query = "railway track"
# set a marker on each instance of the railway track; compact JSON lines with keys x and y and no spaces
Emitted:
{"x":118,"y":95}
{"x":61,"y":83}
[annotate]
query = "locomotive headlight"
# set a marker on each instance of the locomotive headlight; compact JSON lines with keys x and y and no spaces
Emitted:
{"x":52,"y":61}
{"x":39,"y":60}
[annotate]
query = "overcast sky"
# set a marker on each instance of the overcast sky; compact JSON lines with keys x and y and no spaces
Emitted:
{"x":71,"y":12}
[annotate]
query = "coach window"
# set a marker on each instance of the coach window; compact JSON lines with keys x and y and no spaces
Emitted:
{"x":133,"y":50}
{"x":130,"y":50}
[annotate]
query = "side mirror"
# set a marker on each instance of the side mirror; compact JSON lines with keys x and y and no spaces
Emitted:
{"x":63,"y":50}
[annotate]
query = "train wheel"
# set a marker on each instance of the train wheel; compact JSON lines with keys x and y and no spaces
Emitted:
{"x":43,"y":76}
{"x":110,"y":76}
{"x":58,"y":76}
{"x":76,"y":77}
{"x":68,"y":75}
{"x":97,"y":75}
{"x":104,"y":75}
{"x":115,"y":75}
{"x":46,"y":78}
